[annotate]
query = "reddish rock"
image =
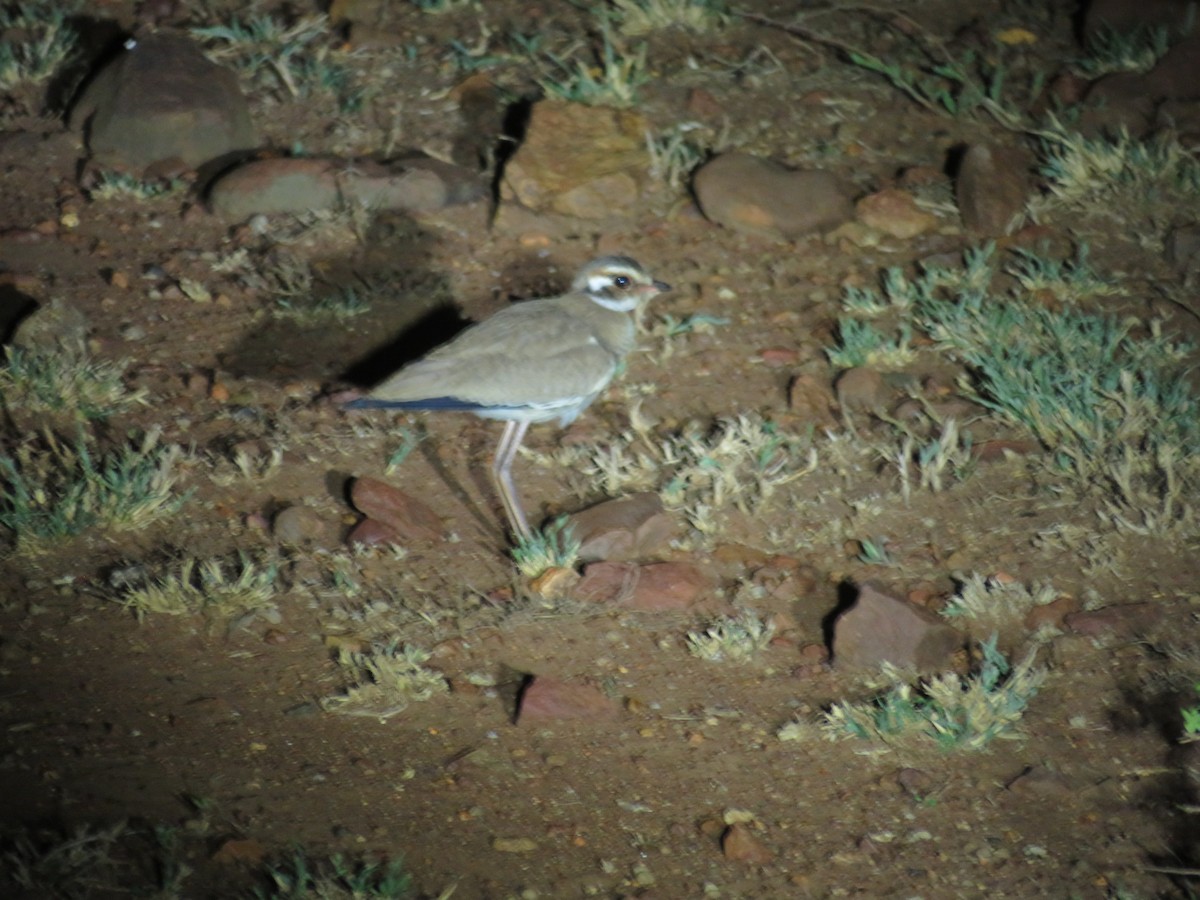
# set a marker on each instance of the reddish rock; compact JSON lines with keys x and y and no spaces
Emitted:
{"x":653,"y":587}
{"x":1053,"y":613}
{"x":992,"y":188}
{"x":812,"y":400}
{"x":1126,"y":620}
{"x":778,"y":357}
{"x":760,"y":196}
{"x":406,"y":516}
{"x":626,"y":528}
{"x":547,"y":700}
{"x":370,"y":532}
{"x":862,"y":389}
{"x":879,"y":628}
{"x":740,"y":845}
{"x":894,"y":212}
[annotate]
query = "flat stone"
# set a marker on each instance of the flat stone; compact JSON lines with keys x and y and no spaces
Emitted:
{"x":548,"y":700}
{"x":627,"y":528}
{"x":1125,"y":620}
{"x":879,"y":628}
{"x":284,"y":185}
{"x":894,"y":212}
{"x":654,"y":587}
{"x":162,"y":99}
{"x":760,"y":196}
{"x":408,"y":517}
{"x":992,"y":188}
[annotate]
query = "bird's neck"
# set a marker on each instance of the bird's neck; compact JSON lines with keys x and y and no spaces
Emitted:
{"x":616,"y":304}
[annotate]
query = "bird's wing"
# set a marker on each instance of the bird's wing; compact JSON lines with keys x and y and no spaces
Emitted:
{"x":531,"y":353}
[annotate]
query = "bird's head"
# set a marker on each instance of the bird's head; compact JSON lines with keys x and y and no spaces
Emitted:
{"x":617,"y":283}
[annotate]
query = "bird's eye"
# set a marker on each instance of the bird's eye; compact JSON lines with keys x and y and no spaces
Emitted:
{"x":621,"y":281}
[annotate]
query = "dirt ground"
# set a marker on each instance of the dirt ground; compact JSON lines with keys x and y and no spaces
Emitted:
{"x":212,"y":729}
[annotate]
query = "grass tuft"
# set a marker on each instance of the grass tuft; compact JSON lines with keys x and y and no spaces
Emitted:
{"x":58,"y":490}
{"x":65,"y":380}
{"x":35,"y":42}
{"x":553,"y":547}
{"x":336,"y":879}
{"x":613,"y":80}
{"x":210,"y":587}
{"x":956,"y":713}
{"x":995,"y":604}
{"x":732,"y":638}
{"x":385,"y":680}
{"x":639,"y":17}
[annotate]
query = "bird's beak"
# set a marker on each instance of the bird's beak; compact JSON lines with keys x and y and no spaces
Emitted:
{"x":660,"y":287}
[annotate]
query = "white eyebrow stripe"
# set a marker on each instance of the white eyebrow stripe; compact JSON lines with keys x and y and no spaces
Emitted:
{"x":598,"y":283}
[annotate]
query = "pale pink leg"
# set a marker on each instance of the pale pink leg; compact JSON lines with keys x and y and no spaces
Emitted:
{"x":510,"y":441}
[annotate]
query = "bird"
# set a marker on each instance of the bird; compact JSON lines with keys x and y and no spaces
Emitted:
{"x":534,"y":361}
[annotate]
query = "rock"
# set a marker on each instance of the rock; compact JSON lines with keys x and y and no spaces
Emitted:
{"x":405,"y":515}
{"x":514,"y":845}
{"x":894,"y":212}
{"x":992,"y":188}
{"x":298,"y":525}
{"x":778,"y":357}
{"x":52,"y":327}
{"x":162,"y":99}
{"x":626,"y":528}
{"x":1129,"y":99}
{"x":653,"y":587}
{"x":1126,"y":620}
{"x":576,"y":160}
{"x":915,"y":782}
{"x":370,"y":533}
{"x":739,"y":844}
{"x":556,"y":583}
{"x":760,"y":196}
{"x":862,"y":389}
{"x":811,"y":400}
{"x":272,"y":186}
{"x":1052,"y":614}
{"x":547,"y":700}
{"x":879,"y":628}
{"x":1040,"y":782}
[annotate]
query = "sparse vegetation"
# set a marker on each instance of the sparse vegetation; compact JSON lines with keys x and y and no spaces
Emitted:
{"x":957,"y":713}
{"x":55,"y":490}
{"x":384,"y":680}
{"x":638,"y":17}
{"x":35,"y":43}
{"x":336,"y":879}
{"x":114,"y":185}
{"x":612,"y":81}
{"x":66,"y":381}
{"x":216,"y":588}
{"x":553,"y":547}
{"x":344,"y":303}
{"x":732,"y":638}
{"x":993,"y":604}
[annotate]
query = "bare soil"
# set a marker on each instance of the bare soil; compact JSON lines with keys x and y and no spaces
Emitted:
{"x":214,"y":727}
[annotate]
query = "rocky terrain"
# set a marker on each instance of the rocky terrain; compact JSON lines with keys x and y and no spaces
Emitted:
{"x":872,"y":574}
